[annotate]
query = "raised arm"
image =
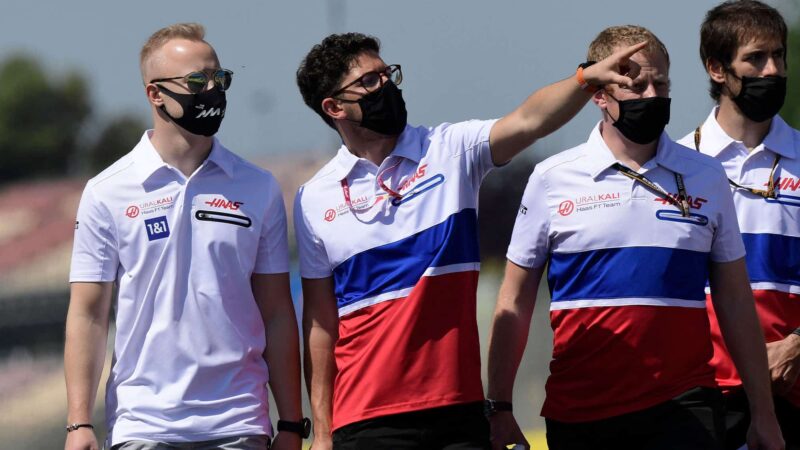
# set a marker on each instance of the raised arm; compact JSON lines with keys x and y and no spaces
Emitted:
{"x":552,"y":106}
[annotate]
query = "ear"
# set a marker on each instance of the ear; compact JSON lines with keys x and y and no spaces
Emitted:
{"x":599,"y":99}
{"x":716,"y":71}
{"x":153,"y":95}
{"x":333,"y":109}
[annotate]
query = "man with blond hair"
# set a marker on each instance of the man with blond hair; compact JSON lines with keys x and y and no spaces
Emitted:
{"x":194,"y":238}
{"x":630,"y":225}
{"x":743,"y":49}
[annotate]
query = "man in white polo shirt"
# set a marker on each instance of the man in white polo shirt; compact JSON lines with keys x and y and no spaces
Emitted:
{"x":194,"y":238}
{"x":389,"y":251}
{"x":630,"y":225}
{"x":743,"y":49}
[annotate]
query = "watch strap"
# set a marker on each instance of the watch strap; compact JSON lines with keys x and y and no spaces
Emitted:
{"x":303,"y":427}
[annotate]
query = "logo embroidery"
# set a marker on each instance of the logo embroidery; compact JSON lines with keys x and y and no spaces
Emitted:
{"x":222,"y":203}
{"x":132,"y":211}
{"x":330,"y":215}
{"x":157,"y":228}
{"x":566,"y":207}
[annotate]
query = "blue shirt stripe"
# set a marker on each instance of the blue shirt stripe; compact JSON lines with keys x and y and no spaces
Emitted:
{"x":772,"y":258}
{"x":400,"y":264}
{"x":653,"y":272}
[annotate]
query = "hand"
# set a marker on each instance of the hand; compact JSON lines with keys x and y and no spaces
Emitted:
{"x":322,"y":442}
{"x":764,"y":433}
{"x":287,"y":441}
{"x":615,"y":69}
{"x":784,"y":363}
{"x":505,"y":431}
{"x":81,"y":439}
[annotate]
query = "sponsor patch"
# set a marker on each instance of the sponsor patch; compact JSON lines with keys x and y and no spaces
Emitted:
{"x":157,"y":228}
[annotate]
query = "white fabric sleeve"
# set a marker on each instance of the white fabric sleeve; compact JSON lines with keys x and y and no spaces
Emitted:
{"x":727,"y":244}
{"x":314,"y":261}
{"x":470,"y":141}
{"x":273,"y":244}
{"x":530,"y":241}
{"x":95,"y":252}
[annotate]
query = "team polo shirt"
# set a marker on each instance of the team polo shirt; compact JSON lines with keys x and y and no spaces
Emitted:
{"x":405,"y":270}
{"x":626,"y":273}
{"x":770,"y":230}
{"x":188,"y":362}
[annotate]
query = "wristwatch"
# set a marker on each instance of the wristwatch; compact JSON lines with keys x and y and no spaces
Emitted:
{"x":581,"y":81}
{"x":303,"y":428}
{"x":491,"y":407}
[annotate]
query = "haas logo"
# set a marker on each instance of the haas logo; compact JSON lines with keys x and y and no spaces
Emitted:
{"x":210,"y":113}
{"x":222,"y":203}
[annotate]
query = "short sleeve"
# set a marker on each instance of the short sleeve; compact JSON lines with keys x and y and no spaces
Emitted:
{"x":727,"y":244}
{"x":95,"y":252}
{"x":273,"y":246}
{"x":313,"y":257}
{"x":470,"y":140}
{"x":530,"y":242}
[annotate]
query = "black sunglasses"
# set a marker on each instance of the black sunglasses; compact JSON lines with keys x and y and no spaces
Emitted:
{"x":196,"y":82}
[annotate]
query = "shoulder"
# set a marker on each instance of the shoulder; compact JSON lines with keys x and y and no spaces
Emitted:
{"x":695,"y":162}
{"x":562,"y":160}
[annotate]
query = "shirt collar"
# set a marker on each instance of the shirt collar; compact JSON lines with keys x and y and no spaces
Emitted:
{"x":148,"y":161}
{"x":601,"y":158}
{"x":407,"y":146}
{"x":779,"y":138}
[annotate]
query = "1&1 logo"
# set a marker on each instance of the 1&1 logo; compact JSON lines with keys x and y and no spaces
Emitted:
{"x":566,"y":207}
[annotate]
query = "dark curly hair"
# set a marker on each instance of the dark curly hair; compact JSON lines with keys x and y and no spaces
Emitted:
{"x":327,"y":63}
{"x":732,"y":24}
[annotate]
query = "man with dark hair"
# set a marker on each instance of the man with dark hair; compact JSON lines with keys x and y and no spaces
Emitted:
{"x":743,"y":49}
{"x":389,"y":254}
{"x":194,"y":238}
{"x":630,"y":225}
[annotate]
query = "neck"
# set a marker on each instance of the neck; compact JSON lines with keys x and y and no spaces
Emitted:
{"x":179,"y":148}
{"x":367,"y":144}
{"x":628,"y":153}
{"x":738,"y":126}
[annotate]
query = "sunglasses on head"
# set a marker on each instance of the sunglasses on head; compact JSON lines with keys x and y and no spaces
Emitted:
{"x":196,"y":82}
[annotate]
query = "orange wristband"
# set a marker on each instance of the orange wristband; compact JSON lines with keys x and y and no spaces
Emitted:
{"x":582,"y":83}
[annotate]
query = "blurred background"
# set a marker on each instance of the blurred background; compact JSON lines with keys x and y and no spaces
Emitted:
{"x":72,"y":102}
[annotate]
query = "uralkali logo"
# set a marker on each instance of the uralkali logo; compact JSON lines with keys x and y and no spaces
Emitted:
{"x":149,"y":206}
{"x":590,"y":202}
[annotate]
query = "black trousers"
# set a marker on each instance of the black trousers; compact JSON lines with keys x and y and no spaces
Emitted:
{"x":737,"y":420}
{"x":457,"y":427}
{"x":690,"y":421}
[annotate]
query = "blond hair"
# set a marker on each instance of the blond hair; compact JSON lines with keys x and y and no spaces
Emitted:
{"x":189,"y":31}
{"x":612,"y":38}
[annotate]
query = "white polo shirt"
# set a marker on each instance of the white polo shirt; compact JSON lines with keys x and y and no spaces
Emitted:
{"x":770,"y":230}
{"x":188,"y":362}
{"x":405,"y":271}
{"x":626,"y":273}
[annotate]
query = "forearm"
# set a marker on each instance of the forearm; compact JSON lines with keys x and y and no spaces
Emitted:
{"x":509,"y":335}
{"x":745,"y":342}
{"x":510,"y":327}
{"x":84,"y":355}
{"x":283,"y":357}
{"x":320,"y":371}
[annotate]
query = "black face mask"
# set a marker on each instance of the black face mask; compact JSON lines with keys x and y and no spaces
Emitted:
{"x":642,"y":120}
{"x":202,"y":113}
{"x":384,"y":110}
{"x":760,"y":98}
